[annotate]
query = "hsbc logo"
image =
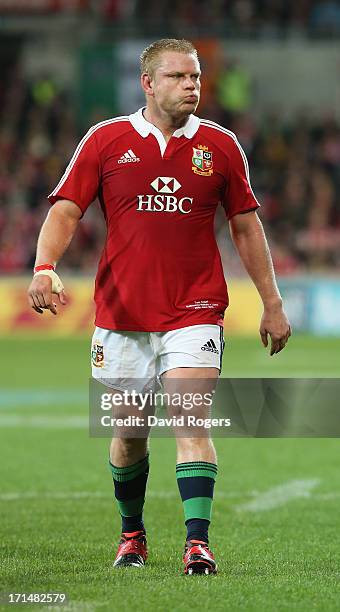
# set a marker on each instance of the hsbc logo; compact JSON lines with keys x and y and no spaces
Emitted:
{"x":166,"y":184}
{"x":164,"y":201}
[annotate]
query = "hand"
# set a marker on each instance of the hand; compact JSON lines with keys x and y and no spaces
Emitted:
{"x":40,"y":295}
{"x":275,"y":323}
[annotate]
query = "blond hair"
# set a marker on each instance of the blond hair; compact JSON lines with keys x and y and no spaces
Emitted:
{"x":150,"y":55}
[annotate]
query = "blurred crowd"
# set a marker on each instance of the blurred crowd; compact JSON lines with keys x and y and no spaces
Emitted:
{"x":249,"y":17}
{"x":295,"y":173}
{"x":256,"y":18}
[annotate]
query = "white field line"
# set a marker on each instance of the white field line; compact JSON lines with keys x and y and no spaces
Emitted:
{"x":279,"y":495}
{"x":25,"y":398}
{"x":49,"y":422}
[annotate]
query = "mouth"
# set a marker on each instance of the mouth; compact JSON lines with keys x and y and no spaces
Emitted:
{"x":191,"y":99}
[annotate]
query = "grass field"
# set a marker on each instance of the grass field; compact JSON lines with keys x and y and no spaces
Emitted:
{"x":276,"y":527}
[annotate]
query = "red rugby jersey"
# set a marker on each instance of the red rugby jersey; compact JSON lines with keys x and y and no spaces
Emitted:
{"x":160,"y":268}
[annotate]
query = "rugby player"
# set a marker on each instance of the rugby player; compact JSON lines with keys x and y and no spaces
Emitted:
{"x":160,"y":293}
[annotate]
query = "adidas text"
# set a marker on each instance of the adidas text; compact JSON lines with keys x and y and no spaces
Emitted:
{"x":209,"y":346}
{"x":128,"y":158}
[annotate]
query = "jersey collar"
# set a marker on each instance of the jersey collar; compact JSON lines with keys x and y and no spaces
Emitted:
{"x":144,"y":127}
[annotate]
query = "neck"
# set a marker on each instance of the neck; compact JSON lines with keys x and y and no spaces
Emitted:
{"x":167,"y":124}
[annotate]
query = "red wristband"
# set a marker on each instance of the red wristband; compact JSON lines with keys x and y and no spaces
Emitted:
{"x":44,"y":267}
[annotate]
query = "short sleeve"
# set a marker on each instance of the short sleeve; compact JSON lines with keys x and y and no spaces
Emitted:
{"x":239,"y":196}
{"x":80,"y":181}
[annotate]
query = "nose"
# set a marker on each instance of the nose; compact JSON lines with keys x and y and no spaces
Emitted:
{"x":189,"y":83}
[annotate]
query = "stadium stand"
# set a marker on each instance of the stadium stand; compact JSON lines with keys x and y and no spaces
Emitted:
{"x":295,"y":171}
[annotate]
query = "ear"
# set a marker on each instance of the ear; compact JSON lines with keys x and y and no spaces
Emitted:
{"x":147,"y":84}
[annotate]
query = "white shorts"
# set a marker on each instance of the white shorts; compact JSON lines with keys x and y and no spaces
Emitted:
{"x":119,"y":356}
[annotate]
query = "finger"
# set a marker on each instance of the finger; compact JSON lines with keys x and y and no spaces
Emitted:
{"x":39,"y":297}
{"x":48,"y":300}
{"x":288,"y":335}
{"x":47,"y":295}
{"x":53,"y":308}
{"x":62,"y":297}
{"x":32,"y":305}
{"x":43,"y":303}
{"x":264,"y":338}
{"x":275,"y":346}
{"x":35,"y":305}
{"x":279,"y":345}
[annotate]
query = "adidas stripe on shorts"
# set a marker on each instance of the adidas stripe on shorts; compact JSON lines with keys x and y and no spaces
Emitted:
{"x":119,"y":356}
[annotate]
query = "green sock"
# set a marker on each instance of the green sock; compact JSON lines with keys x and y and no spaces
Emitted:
{"x":130,"y":486}
{"x":196,"y":481}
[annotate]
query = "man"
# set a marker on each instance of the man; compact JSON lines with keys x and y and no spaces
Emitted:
{"x":160,"y":292}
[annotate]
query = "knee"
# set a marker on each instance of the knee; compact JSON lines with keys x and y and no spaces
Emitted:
{"x":128,"y":450}
{"x":195,"y":449}
{"x":188,"y":444}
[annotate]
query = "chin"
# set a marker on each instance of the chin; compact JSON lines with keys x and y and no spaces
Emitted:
{"x":189,"y":107}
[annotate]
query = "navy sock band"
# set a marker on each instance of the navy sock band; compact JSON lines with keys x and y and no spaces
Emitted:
{"x":197,"y":529}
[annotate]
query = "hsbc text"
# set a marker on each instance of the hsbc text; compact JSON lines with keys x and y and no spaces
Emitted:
{"x":166,"y":203}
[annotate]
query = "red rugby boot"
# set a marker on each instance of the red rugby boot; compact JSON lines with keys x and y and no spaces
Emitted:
{"x":198,"y":559}
{"x":132,"y":550}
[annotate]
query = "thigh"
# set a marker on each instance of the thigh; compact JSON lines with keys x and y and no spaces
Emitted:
{"x":194,"y":347}
{"x":190,"y":361}
{"x":122,"y":360}
{"x":189,"y":394}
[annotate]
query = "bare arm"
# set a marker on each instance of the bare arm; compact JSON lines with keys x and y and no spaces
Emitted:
{"x":250,"y":241}
{"x":54,"y":238}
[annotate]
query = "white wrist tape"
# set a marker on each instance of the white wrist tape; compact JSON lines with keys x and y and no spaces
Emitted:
{"x":57,"y":285}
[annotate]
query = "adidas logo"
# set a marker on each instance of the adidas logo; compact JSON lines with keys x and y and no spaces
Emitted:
{"x":128,"y":157}
{"x":209,"y":346}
